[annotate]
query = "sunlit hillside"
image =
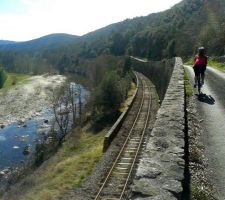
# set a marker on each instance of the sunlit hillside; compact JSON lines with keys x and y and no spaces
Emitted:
{"x":177,"y":31}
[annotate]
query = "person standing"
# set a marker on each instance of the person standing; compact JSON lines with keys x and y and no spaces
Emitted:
{"x":200,"y":63}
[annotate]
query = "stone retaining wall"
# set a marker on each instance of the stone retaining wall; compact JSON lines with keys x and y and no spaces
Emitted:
{"x":161,"y":170}
{"x":159,"y":72}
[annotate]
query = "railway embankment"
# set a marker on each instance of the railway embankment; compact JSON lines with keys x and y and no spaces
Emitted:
{"x":112,"y":133}
{"x":93,"y":183}
{"x":160,"y":174}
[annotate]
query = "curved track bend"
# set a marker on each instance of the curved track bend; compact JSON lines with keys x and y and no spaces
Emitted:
{"x":118,"y":178}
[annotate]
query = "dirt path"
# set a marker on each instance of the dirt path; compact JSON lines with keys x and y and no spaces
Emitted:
{"x":211,"y":107}
{"x":28,"y":100}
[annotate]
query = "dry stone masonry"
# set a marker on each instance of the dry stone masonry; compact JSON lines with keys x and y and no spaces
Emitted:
{"x":159,"y":72}
{"x":161,"y":170}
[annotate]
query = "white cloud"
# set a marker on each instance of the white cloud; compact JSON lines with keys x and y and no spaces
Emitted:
{"x":43,"y":17}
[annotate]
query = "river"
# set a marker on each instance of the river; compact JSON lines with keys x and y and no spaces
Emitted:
{"x":15,"y":138}
{"x":19,"y":137}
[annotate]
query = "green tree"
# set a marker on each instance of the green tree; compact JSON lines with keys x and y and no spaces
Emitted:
{"x":170,"y":50}
{"x":3,"y":76}
{"x":109,"y":94}
{"x":119,"y":43}
{"x":126,"y":66}
{"x":108,"y":97}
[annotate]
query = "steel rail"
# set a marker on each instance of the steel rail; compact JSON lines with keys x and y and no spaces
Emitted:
{"x":139,"y":146}
{"x":125,"y":143}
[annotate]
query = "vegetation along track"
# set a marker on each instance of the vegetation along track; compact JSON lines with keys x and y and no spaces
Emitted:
{"x":116,"y":182}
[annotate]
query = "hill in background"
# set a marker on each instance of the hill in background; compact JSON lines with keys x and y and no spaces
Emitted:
{"x":177,"y":31}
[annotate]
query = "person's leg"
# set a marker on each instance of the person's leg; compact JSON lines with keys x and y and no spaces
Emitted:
{"x":196,"y":81}
{"x":197,"y":74}
{"x":202,"y":78}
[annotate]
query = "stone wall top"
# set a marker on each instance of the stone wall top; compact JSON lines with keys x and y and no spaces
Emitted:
{"x":161,"y":169}
{"x":159,"y":72}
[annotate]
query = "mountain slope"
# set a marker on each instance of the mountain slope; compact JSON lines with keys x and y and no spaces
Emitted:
{"x":6,"y":42}
{"x":177,"y":31}
{"x":42,"y":43}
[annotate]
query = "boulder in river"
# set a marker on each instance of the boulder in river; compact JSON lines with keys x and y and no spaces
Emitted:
{"x":37,"y":114}
{"x":49,"y":140}
{"x":2,"y":126}
{"x":27,"y":150}
{"x":21,"y":121}
{"x":5,"y":172}
{"x":2,"y":173}
{"x":23,"y":138}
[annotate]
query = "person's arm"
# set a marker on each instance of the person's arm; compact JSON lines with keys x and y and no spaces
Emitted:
{"x":194,"y":60}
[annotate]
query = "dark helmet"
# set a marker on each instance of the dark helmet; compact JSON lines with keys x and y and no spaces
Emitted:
{"x":201,"y":50}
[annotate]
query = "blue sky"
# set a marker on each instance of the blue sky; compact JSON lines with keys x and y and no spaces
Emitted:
{"x":12,"y":6}
{"x":22,"y":20}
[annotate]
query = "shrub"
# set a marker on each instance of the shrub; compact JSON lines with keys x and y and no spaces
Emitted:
{"x":3,"y":77}
{"x":108,"y":97}
{"x":39,"y":154}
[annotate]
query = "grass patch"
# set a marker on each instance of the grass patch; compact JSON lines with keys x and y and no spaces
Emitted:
{"x":189,"y":61}
{"x":211,"y":63}
{"x":188,"y":86}
{"x":218,"y":65}
{"x":196,"y":155}
{"x":15,"y":79}
{"x":65,"y":170}
{"x":200,"y":192}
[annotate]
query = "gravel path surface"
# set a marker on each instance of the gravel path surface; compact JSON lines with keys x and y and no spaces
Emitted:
{"x":211,"y":107}
{"x":28,"y":100}
{"x":200,"y":176}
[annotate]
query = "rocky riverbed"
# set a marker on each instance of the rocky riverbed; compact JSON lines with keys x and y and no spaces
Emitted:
{"x":26,"y":101}
{"x":25,"y":115}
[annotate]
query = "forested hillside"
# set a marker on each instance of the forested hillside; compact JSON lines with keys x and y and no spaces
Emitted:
{"x":6,"y":42}
{"x":177,"y":31}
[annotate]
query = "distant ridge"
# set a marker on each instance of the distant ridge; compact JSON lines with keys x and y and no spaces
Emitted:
{"x":175,"y":32}
{"x":6,"y":42}
{"x":39,"y":44}
{"x":55,"y":37}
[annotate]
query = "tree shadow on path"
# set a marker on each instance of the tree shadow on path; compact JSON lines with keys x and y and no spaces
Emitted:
{"x":206,"y":98}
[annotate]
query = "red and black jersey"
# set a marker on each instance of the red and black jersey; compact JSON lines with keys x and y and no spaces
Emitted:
{"x":200,"y":61}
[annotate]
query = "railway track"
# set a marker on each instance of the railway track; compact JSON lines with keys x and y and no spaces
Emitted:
{"x":117,"y":180}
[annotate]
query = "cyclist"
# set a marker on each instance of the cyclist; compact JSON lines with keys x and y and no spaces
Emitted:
{"x":200,"y":63}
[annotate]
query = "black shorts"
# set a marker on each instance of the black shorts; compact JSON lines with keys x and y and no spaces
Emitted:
{"x":199,"y":69}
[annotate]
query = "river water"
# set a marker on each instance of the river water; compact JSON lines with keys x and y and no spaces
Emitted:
{"x":16,"y":137}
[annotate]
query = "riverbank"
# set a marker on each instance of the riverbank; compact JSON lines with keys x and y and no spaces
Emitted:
{"x":25,"y":118}
{"x":23,"y":102}
{"x":14,"y":79}
{"x":67,"y":169}
{"x":64,"y":170}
